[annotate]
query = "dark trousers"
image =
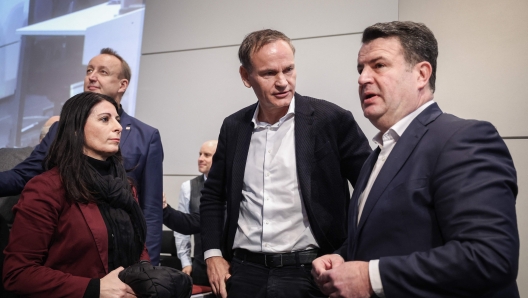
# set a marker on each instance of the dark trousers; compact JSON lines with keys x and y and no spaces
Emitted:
{"x":258,"y":281}
{"x":199,"y":272}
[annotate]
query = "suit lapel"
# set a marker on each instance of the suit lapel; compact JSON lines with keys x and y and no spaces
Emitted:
{"x":127,"y":126}
{"x":304,"y":146}
{"x":361,"y":183}
{"x":397,"y":158}
{"x":243,"y":133}
{"x":95,"y":222}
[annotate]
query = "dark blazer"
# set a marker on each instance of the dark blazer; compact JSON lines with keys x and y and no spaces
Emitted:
{"x":330,"y":149}
{"x":183,"y":223}
{"x":9,"y":158}
{"x":143,"y":155}
{"x":440,"y":216}
{"x":55,"y":247}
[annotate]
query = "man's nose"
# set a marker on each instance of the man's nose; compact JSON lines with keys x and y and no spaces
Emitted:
{"x":281,"y":80}
{"x":364,"y":77}
{"x":92,"y":76}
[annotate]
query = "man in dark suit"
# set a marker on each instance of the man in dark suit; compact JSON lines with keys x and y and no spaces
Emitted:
{"x":281,"y":166}
{"x":140,"y":146}
{"x":433,"y":211}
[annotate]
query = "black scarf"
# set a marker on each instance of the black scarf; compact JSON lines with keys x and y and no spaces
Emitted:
{"x":121,"y":213}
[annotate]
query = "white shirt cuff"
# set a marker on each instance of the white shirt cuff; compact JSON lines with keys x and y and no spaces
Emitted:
{"x":212,"y":253}
{"x":375,"y":278}
{"x":186,"y":261}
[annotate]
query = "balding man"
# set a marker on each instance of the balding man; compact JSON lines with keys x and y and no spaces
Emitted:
{"x":109,"y":74}
{"x":190,"y":193}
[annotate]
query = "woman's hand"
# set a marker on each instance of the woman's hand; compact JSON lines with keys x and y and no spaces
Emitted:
{"x":113,"y":287}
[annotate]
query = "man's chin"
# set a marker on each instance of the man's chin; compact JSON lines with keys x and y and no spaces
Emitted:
{"x":282,"y":102}
{"x":94,"y":90}
{"x":371,"y":111}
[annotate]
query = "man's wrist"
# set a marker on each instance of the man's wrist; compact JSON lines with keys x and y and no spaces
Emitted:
{"x":212,"y":253}
{"x":375,"y":278}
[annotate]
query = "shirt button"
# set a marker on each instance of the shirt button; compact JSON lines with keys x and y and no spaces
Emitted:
{"x":383,"y":158}
{"x":267,"y":174}
{"x":269,"y":151}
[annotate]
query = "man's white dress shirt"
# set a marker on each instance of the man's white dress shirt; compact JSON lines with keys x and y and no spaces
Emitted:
{"x":272,"y":216}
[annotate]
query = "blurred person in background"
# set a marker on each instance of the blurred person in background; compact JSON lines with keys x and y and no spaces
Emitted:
{"x":45,"y":129}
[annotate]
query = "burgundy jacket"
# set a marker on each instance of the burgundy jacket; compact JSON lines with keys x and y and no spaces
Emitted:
{"x":55,"y":247}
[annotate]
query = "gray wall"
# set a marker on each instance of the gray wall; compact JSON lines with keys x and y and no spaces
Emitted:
{"x":189,"y":81}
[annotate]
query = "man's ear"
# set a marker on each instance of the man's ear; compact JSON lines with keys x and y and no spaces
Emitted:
{"x":424,"y":71}
{"x":123,"y":85}
{"x":244,"y":75}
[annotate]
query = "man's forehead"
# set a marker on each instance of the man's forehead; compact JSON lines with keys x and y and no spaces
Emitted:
{"x":104,"y":60}
{"x":380,"y":47}
{"x":273,"y":50}
{"x":208,"y":147}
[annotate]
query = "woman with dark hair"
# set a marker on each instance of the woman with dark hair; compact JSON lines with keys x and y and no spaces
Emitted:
{"x":77,"y":225}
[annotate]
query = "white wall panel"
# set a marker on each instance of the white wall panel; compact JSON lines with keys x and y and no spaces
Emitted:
{"x":518,"y":149}
{"x":179,"y":25}
{"x":327,"y":69}
{"x":186,"y":95}
{"x":482,"y":61}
